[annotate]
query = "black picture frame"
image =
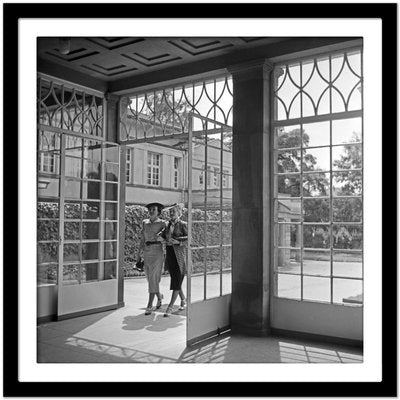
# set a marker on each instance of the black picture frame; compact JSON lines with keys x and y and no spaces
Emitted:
{"x":12,"y":12}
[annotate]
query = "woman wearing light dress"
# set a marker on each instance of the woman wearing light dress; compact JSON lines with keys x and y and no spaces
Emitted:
{"x":151,"y":244}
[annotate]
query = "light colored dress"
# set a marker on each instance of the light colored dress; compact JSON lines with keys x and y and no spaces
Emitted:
{"x":153,"y":253}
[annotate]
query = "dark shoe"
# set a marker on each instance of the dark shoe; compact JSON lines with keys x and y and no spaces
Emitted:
{"x":168,"y":311}
{"x":148,"y":311}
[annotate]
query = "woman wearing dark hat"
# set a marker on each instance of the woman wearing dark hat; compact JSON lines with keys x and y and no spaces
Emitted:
{"x":175,"y":235}
{"x":151,"y":244}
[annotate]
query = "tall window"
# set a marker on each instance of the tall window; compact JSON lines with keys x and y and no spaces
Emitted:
{"x":216,"y":177}
{"x":225,"y":182}
{"x":176,"y":171}
{"x":318,"y":150}
{"x":209,"y":170}
{"x":153,"y":169}
{"x":129,"y":165}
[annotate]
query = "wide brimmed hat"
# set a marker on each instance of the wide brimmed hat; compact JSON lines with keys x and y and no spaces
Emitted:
{"x":158,"y":205}
{"x":178,"y":205}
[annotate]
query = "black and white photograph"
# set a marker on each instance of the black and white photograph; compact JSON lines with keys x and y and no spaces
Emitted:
{"x":201,"y":196}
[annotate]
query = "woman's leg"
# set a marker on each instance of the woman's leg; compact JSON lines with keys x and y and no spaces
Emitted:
{"x":151,"y":299}
{"x":173,"y":298}
{"x":182,"y":295}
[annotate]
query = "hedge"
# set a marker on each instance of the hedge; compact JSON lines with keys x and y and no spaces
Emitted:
{"x":47,"y":230}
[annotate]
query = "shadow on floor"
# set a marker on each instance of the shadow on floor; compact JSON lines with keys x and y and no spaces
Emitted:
{"x":155,"y":322}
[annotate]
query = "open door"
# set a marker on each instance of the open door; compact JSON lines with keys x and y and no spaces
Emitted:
{"x":88,"y":241}
{"x":210,"y":228}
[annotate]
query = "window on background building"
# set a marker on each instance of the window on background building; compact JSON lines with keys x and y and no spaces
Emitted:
{"x":176,"y":171}
{"x":209,"y":171}
{"x":201,"y":177}
{"x":129,"y":165}
{"x":318,"y":186}
{"x":225,"y":182}
{"x":47,"y":163}
{"x":153,"y":169}
{"x":216,"y":177}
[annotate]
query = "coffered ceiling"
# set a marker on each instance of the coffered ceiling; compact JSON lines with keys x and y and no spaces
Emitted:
{"x":122,"y":64}
{"x":113,"y":58}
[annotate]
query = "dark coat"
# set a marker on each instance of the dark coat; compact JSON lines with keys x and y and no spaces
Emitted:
{"x":179,"y":233}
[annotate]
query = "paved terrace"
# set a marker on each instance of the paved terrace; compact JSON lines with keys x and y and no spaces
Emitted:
{"x":126,"y":335}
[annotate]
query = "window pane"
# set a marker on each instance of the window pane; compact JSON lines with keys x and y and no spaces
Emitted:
{"x":198,"y":257}
{"x":288,"y":210}
{"x":347,"y":264}
{"x":213,"y":273}
{"x":347,"y":183}
{"x":288,"y":161}
{"x":347,"y":237}
{"x":71,"y":231}
{"x":316,"y":134}
{"x":347,"y":210}
{"x":110,"y":231}
{"x":316,"y":289}
{"x":112,"y":172}
{"x":89,"y":272}
{"x":288,"y":137}
{"x":72,"y":209}
{"x":317,"y":262}
{"x":111,"y":211}
{"x":71,"y":252}
{"x":73,"y":167}
{"x":92,"y":170}
{"x":316,"y":159}
{"x":227,"y":270}
{"x":49,"y":141}
{"x":90,"y":251}
{"x":198,"y":234}
{"x":73,"y":146}
{"x":289,"y":185}
{"x":47,"y":252}
{"x":227,"y":233}
{"x":71,"y":274}
{"x":110,"y":270}
{"x":347,"y":291}
{"x":316,"y":210}
{"x":347,"y":157}
{"x":47,"y":230}
{"x":111,"y":153}
{"x":92,"y":150}
{"x":316,"y":236}
{"x":47,"y":209}
{"x":289,"y":260}
{"x":110,"y":250}
{"x":90,"y":210}
{"x":289,"y":235}
{"x":48,"y":186}
{"x":346,"y":130}
{"x":90,"y":230}
{"x":213,"y":233}
{"x":111,"y":191}
{"x":47,"y":274}
{"x":315,"y":184}
{"x":91,"y":190}
{"x":72,"y":188}
{"x":288,"y":286}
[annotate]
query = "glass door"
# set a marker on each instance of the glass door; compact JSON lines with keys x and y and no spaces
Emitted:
{"x":210,"y":228}
{"x":88,"y":243}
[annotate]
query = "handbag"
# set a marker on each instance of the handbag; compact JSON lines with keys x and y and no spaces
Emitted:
{"x":140,"y":264}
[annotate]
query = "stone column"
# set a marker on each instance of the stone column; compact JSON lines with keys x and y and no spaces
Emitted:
{"x":252,"y":197}
{"x":112,"y":136}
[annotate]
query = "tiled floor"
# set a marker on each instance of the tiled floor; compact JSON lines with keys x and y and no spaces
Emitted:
{"x":127,"y":335}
